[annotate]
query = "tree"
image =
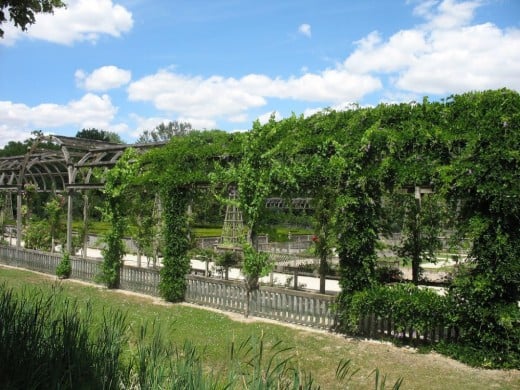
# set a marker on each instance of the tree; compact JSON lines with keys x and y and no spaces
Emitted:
{"x":323,"y":163}
{"x":164,"y":132}
{"x":23,"y":13}
{"x":100,"y":135}
{"x":227,"y":259}
{"x":17,"y":148}
{"x":14,"y":148}
{"x":256,"y":265}
{"x":419,"y":219}
{"x":144,"y":222}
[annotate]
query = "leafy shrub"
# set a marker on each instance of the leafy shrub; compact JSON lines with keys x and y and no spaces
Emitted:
{"x":255,"y":265}
{"x":490,"y":327}
{"x":64,"y":268}
{"x":406,"y":304}
{"x":176,"y":263}
{"x":227,"y":259}
{"x":37,"y":235}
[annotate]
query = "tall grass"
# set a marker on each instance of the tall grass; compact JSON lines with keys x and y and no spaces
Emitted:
{"x":46,"y":343}
{"x":48,"y":340}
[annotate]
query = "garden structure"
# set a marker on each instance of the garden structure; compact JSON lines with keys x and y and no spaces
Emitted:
{"x":352,"y":169}
{"x":66,"y":165}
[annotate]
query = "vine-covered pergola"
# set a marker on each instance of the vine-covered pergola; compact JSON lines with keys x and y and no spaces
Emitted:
{"x":65,"y":165}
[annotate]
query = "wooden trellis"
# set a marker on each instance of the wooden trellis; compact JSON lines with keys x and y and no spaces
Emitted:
{"x":68,"y":167}
{"x":294,"y":203}
{"x":234,"y":232}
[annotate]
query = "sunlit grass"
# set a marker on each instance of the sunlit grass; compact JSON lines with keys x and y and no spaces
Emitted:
{"x":212,"y":334}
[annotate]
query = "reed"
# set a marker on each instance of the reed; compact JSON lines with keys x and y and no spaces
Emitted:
{"x":48,"y":340}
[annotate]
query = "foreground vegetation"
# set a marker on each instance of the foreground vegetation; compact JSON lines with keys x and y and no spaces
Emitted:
{"x":200,"y":344}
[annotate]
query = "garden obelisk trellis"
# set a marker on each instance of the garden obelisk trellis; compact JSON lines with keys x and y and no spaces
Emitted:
{"x":233,"y":232}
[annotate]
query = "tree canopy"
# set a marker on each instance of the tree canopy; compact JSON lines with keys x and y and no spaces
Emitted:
{"x":164,"y":132}
{"x":23,"y":13}
{"x":100,"y":135}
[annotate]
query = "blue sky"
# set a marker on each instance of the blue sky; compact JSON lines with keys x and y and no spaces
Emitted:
{"x":127,"y":65}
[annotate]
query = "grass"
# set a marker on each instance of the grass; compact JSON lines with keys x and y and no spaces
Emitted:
{"x":213,"y":334}
{"x":207,"y":231}
{"x":101,"y":227}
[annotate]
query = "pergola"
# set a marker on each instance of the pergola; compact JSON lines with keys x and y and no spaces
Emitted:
{"x":68,"y":168}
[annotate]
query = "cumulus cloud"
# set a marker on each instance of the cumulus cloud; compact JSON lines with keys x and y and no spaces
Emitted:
{"x":8,"y":134}
{"x":230,"y":98}
{"x":82,"y":20}
{"x":305,"y":29}
{"x":471,"y":58}
{"x":444,"y":55}
{"x":103,"y":79}
{"x":89,"y":111}
{"x":447,"y":14}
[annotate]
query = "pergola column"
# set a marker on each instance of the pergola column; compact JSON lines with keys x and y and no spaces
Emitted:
{"x":19,"y":218}
{"x":69,"y":221}
{"x":85,"y":224}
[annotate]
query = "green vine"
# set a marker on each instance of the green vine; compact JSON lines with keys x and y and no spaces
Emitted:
{"x":176,"y":263}
{"x":118,"y":185}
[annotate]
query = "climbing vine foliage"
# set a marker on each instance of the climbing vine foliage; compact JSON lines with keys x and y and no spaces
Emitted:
{"x":179,"y":171}
{"x":118,"y":185}
{"x":464,"y":149}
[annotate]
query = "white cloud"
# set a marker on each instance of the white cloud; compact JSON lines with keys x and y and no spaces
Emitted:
{"x":90,"y":111}
{"x":103,"y":79}
{"x":82,"y":20}
{"x":214,"y":97}
{"x":8,"y":134}
{"x":374,"y":55}
{"x":241,"y":118}
{"x":471,"y":58}
{"x":198,"y":123}
{"x":448,"y":13}
{"x":444,"y":55}
{"x":305,"y":29}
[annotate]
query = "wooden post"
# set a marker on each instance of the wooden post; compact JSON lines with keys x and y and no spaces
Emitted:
{"x":85,"y":223}
{"x":69,"y":221}
{"x":19,"y":218}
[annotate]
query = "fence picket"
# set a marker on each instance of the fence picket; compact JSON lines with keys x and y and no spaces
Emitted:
{"x":304,"y":308}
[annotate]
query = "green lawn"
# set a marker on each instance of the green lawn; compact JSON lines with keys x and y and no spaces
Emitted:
{"x":280,"y":232}
{"x":213,"y":333}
